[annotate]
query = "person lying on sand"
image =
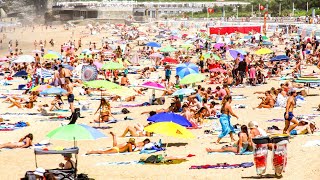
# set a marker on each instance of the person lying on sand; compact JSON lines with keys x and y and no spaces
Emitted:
{"x":304,"y":127}
{"x":240,"y":147}
{"x":128,"y":147}
{"x":136,"y":130}
{"x":127,"y":99}
{"x":24,"y":142}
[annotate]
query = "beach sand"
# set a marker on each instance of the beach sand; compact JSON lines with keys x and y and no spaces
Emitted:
{"x":303,"y":162}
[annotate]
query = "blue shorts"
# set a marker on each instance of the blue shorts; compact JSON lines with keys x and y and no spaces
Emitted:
{"x":289,"y":117}
{"x":70,"y":98}
{"x":294,"y":132}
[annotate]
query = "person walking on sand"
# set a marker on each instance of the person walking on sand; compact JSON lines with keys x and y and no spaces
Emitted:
{"x":288,"y":115}
{"x":69,"y":87}
{"x":226,"y":113}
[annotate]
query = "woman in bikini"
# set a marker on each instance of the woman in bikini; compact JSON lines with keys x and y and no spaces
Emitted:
{"x":24,"y":142}
{"x":240,"y":147}
{"x":136,"y":131}
{"x":128,"y":147}
{"x":69,"y":163}
{"x":105,"y":111}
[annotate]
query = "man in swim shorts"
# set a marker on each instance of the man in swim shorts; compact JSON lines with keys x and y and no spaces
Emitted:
{"x":288,"y":115}
{"x":70,"y":94}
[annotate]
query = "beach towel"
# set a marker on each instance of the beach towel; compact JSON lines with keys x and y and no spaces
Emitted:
{"x":61,"y":110}
{"x":232,"y":153}
{"x":113,"y":154}
{"x":118,"y":163}
{"x":224,"y":166}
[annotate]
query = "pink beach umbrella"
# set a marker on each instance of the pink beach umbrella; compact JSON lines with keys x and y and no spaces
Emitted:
{"x":156,"y":55}
{"x":153,"y":85}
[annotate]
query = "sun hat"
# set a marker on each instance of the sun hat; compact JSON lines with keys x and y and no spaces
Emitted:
{"x":253,"y":124}
{"x":39,"y":171}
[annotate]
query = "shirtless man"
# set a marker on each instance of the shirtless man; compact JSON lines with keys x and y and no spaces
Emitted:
{"x":124,"y":81}
{"x":56,"y":76}
{"x":62,"y":75}
{"x":69,"y":87}
{"x":128,"y":147}
{"x":288,"y":115}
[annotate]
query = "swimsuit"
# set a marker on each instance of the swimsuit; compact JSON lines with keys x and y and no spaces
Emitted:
{"x":294,"y":132}
{"x":70,"y":98}
{"x":117,"y":149}
{"x":290,"y":116}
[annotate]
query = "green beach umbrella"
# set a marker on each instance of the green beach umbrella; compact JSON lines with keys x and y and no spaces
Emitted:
{"x":81,"y":56}
{"x":187,"y":46}
{"x":208,"y":55}
{"x":51,"y":56}
{"x":112,"y":66}
{"x":168,"y":49}
{"x":102,"y":84}
{"x":265,"y":38}
{"x":192,"y":78}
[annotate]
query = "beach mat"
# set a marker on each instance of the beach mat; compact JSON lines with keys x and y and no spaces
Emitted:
{"x":224,"y":166}
{"x":232,"y":153}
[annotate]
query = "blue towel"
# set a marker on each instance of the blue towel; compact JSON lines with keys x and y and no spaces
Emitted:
{"x":145,"y":151}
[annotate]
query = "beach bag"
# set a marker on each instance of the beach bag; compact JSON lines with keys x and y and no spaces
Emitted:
{"x":125,"y":111}
{"x":154,"y":159}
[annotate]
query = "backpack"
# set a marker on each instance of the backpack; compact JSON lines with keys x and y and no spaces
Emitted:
{"x":154,"y":159}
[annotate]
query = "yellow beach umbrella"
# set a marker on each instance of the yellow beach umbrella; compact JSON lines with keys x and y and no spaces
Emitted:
{"x":263,"y":51}
{"x":170,"y":129}
{"x":51,"y":56}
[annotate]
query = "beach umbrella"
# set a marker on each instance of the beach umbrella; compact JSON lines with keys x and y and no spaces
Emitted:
{"x":54,"y":91}
{"x":234,"y":54}
{"x":218,"y":70}
{"x":170,"y":117}
{"x":102,"y":84}
{"x":20,"y":74}
{"x":97,"y":64}
{"x":142,"y":38}
{"x":153,"y":44}
{"x":263,"y":51}
{"x":56,"y":53}
{"x":2,"y":59}
{"x":192,"y":78}
{"x":75,"y":132}
{"x":183,"y":91}
{"x":153,"y":85}
{"x":40,"y":88}
{"x":186,"y":68}
{"x":169,"y":129}
{"x":218,"y":45}
{"x":266,"y":43}
{"x":112,"y":66}
{"x":50,"y":56}
{"x":173,"y":37}
{"x":86,"y":51}
{"x":170,"y":60}
{"x":265,"y":38}
{"x":82,"y":56}
{"x":24,"y":58}
{"x":187,"y":46}
{"x":156,"y":55}
{"x":280,"y":58}
{"x":168,"y":49}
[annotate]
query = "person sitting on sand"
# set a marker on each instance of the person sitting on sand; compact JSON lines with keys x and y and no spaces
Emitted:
{"x":105,"y":111}
{"x":304,"y":127}
{"x":128,"y":147}
{"x":267,"y":102}
{"x":24,"y":142}
{"x":69,"y":163}
{"x":240,"y":147}
{"x":57,"y":103}
{"x":136,"y":130}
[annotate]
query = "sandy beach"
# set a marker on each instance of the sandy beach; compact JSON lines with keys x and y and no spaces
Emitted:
{"x":302,"y":161}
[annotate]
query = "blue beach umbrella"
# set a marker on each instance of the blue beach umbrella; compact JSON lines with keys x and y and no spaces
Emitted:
{"x":186,"y":68}
{"x":153,"y":44}
{"x":54,"y":90}
{"x":234,"y":53}
{"x":170,"y":117}
{"x":280,"y":58}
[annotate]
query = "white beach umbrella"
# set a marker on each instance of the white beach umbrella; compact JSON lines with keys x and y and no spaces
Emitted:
{"x":24,"y":58}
